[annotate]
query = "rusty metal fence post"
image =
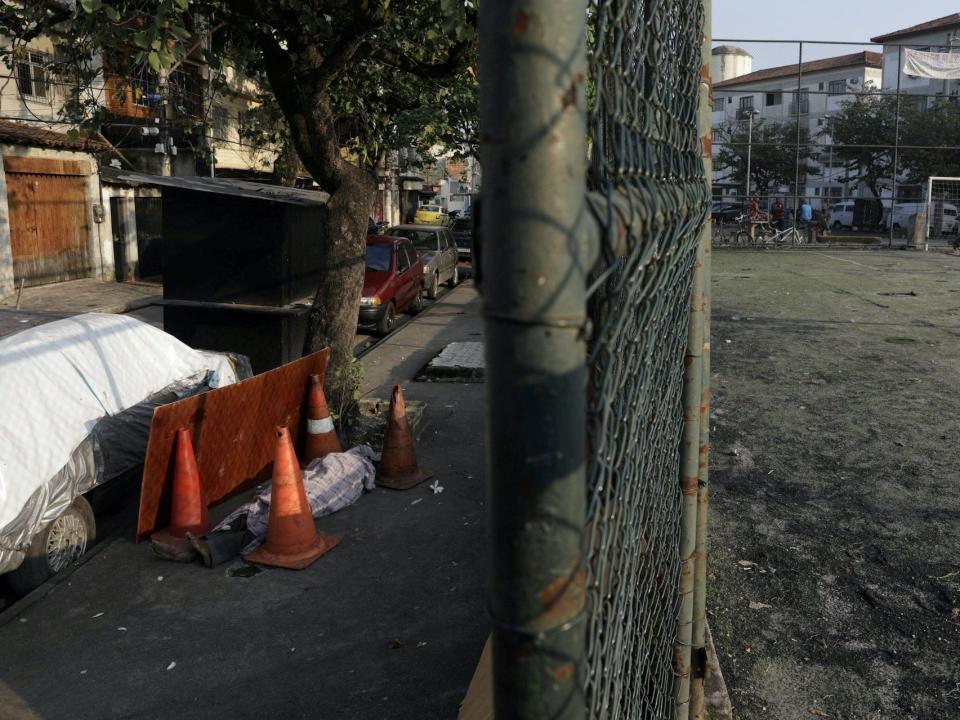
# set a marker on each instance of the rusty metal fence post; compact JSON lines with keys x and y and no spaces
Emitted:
{"x":533,"y":70}
{"x":689,"y":487}
{"x":699,"y":641}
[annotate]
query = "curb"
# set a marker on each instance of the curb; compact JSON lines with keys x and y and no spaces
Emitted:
{"x":132,"y":305}
{"x":715,"y":696}
{"x":40,"y":592}
{"x":380,"y":341}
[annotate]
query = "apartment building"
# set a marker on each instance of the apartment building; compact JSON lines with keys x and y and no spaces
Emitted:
{"x":941,"y":36}
{"x":807,"y":93}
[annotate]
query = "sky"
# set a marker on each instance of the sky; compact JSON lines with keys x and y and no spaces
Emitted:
{"x":835,"y":20}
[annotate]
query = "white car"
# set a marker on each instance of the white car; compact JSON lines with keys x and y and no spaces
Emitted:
{"x":76,"y":401}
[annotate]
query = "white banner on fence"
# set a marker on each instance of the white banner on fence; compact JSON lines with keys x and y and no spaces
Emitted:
{"x":939,"y":66}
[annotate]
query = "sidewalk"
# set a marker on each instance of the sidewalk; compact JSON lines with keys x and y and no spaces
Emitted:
{"x":388,"y":625}
{"x":44,"y":303}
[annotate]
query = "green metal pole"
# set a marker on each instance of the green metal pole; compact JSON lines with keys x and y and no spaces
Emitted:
{"x":698,"y":651}
{"x":534,"y":220}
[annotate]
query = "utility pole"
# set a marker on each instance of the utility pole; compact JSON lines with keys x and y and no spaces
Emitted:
{"x":750,"y":115}
{"x":165,"y":147}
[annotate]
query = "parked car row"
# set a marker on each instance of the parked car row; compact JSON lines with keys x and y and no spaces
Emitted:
{"x":402,"y":264}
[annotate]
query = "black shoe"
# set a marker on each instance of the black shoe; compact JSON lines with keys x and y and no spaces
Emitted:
{"x":202,"y":550}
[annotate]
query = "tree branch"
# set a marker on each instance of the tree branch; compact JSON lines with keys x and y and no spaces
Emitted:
{"x":455,"y":61}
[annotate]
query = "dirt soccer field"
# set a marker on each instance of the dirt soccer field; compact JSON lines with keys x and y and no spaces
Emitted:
{"x":835,"y":526}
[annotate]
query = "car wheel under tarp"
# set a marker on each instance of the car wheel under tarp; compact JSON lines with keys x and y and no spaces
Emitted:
{"x":57,"y":546}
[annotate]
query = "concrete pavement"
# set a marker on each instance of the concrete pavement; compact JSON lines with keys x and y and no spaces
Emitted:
{"x":388,"y":625}
{"x":44,"y":303}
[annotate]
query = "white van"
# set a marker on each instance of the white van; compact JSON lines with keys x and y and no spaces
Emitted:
{"x":903,"y":212}
{"x":841,"y":215}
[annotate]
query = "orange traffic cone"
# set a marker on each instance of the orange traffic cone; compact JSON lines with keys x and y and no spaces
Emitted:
{"x":188,"y":513}
{"x":321,"y":437}
{"x":292,"y":540}
{"x":398,"y":464}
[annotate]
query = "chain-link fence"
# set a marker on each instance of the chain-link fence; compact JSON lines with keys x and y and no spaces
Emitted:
{"x":597,"y":342}
{"x":645,"y":61}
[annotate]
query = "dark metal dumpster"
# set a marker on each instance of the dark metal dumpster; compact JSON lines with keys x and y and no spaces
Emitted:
{"x":240,"y":264}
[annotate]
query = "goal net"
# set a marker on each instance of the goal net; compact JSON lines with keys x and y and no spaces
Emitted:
{"x":941,"y":208}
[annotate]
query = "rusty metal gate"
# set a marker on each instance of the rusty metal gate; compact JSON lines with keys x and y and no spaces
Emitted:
{"x":49,"y":230}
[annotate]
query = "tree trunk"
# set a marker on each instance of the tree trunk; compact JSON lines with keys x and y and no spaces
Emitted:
{"x":305,"y":100}
{"x":285,"y":166}
{"x":336,"y":304}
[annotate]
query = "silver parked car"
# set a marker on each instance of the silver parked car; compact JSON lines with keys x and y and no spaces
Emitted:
{"x":439,"y":252}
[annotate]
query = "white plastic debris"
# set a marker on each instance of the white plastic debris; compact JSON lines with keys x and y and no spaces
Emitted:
{"x":172,"y":665}
{"x":436,"y":487}
{"x":99,"y":614}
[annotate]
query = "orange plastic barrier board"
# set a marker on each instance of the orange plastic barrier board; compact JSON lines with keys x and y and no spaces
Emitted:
{"x":232,"y":429}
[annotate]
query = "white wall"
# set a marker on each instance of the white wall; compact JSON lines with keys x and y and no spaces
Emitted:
{"x":728,"y":66}
{"x":892,"y":61}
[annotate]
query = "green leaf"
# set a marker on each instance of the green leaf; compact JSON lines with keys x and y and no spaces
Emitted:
{"x":112,"y":13}
{"x":140,"y":39}
{"x":154,"y":60}
{"x":91,"y":6}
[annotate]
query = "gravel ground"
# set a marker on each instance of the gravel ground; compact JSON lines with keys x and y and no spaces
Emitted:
{"x":835,"y":533}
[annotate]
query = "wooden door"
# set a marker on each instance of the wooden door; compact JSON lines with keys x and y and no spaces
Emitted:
{"x":49,"y":235}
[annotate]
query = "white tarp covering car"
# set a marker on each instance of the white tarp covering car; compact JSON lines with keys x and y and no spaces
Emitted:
{"x":76,"y":399}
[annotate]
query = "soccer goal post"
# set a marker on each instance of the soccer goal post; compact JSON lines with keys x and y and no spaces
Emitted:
{"x":942,"y":207}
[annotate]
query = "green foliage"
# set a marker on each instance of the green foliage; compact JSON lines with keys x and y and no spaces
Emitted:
{"x":344,"y":390}
{"x":864,"y":133}
{"x":865,"y":136}
{"x":931,"y":137}
{"x":772,"y":148}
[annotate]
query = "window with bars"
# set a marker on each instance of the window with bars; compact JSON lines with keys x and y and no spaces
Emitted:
{"x":801,"y":103}
{"x":144,"y":86}
{"x":746,"y":102}
{"x":837,"y":87}
{"x":718,"y":103}
{"x":221,"y":123}
{"x":32,"y":78}
{"x":774,"y":98}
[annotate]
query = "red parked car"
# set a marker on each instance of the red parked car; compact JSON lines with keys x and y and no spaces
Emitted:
{"x":392,"y":282}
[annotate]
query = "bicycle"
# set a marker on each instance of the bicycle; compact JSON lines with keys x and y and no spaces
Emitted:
{"x":722,"y":234}
{"x":761,"y":229}
{"x":791,"y":235}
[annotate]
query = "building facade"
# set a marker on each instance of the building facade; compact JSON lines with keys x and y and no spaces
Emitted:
{"x":807,"y":94}
{"x":941,"y":35}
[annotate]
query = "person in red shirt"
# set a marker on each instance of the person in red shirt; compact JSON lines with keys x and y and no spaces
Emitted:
{"x":777,"y":214}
